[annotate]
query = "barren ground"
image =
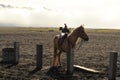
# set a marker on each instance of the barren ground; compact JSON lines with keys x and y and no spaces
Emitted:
{"x":93,"y":54}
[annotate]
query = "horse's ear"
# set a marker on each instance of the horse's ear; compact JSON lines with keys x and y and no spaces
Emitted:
{"x":82,"y":25}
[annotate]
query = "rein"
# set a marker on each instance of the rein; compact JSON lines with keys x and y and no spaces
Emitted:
{"x":77,"y":47}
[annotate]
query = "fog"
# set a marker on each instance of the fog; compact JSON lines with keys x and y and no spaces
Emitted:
{"x":54,"y":13}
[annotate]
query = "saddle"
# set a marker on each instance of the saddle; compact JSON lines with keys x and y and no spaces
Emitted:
{"x":63,"y":36}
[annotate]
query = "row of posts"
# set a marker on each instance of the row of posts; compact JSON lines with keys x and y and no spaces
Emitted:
{"x":70,"y":58}
{"x":112,"y":63}
{"x":11,"y":55}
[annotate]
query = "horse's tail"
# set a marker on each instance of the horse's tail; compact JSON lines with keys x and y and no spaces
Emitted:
{"x":54,"y":51}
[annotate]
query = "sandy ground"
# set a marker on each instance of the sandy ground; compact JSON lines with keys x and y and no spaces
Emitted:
{"x":93,"y":54}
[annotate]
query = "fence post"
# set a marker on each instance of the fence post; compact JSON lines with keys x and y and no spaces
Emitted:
{"x":39,"y":56}
{"x":16,"y":49}
{"x":70,"y":57}
{"x":113,"y":65}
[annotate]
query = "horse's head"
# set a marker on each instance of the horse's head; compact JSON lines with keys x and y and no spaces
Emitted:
{"x":82,"y":33}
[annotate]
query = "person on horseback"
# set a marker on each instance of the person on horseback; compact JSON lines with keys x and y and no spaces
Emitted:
{"x":64,"y":33}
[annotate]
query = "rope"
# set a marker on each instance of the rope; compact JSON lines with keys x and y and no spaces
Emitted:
{"x":79,"y":44}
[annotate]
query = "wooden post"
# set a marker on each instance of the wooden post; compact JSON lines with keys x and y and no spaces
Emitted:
{"x":113,"y":66}
{"x":70,"y":57}
{"x":8,"y":55}
{"x":16,"y":49}
{"x":39,"y":56}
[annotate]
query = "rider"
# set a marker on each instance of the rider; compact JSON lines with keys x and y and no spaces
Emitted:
{"x":64,"y":31}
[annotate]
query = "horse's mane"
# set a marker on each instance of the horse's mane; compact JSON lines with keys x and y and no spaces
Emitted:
{"x":77,"y":29}
{"x":80,"y":27}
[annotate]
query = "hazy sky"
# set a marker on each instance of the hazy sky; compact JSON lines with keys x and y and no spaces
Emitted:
{"x":54,"y":13}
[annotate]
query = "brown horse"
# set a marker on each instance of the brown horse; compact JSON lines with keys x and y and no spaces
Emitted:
{"x":72,"y":39}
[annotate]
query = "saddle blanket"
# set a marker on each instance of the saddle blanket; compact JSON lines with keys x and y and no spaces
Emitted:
{"x":62,"y":34}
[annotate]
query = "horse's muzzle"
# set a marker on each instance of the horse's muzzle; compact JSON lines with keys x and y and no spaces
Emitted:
{"x":86,"y":39}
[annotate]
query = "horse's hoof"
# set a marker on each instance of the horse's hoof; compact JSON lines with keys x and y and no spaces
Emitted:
{"x":59,"y":66}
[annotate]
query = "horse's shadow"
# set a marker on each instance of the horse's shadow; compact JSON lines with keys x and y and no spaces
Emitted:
{"x":33,"y":71}
{"x":60,"y":74}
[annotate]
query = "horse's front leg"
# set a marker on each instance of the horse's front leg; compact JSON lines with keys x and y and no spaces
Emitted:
{"x":59,"y":59}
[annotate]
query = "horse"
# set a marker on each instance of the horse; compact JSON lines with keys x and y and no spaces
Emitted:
{"x":70,"y":41}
